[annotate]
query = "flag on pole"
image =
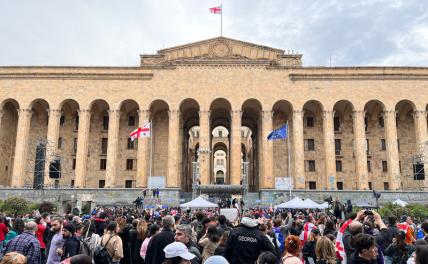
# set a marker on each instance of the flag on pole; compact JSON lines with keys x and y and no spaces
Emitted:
{"x":215,"y":10}
{"x":279,"y":133}
{"x":141,"y":132}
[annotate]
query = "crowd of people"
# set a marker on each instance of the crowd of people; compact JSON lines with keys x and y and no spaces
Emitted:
{"x":170,"y":236}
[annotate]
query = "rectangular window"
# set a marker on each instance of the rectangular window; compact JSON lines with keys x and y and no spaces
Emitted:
{"x":382,"y":144}
{"x":222,"y":162}
{"x":104,"y":142}
{"x":337,"y":146}
{"x":105,"y":122}
{"x":399,"y":165}
{"x":370,"y":186}
{"x":129,"y":183}
{"x":129,"y":164}
{"x":130,"y":144}
{"x":197,"y":133}
{"x":312,"y":185}
{"x":309,"y":121}
{"x":72,"y":183}
{"x":310,"y":144}
{"x":220,"y":133}
{"x":103,"y":164}
{"x":386,"y":186}
{"x":398,"y":144}
{"x":131,"y":120}
{"x":369,"y":166}
{"x":336,"y":124}
{"x":381,"y":122}
{"x":62,"y":120}
{"x":74,"y":145}
{"x":366,"y":123}
{"x":101,"y":183}
{"x":74,"y":164}
{"x":76,"y":123}
{"x":310,"y":165}
{"x":218,"y":162}
{"x":367,"y":146}
{"x":339,"y":185}
{"x":384,"y":166}
{"x":60,"y":143}
{"x":338,"y":165}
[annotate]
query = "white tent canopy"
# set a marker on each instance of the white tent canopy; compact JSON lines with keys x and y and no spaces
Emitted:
{"x":324,"y":205}
{"x":400,"y":202}
{"x":295,"y":203}
{"x":311,"y":204}
{"x":199,"y":203}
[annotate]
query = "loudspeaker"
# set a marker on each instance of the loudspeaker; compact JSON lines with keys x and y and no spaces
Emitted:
{"x":55,"y":169}
{"x":418,"y":172}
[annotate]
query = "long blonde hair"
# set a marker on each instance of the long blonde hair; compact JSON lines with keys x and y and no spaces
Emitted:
{"x":141,"y":229}
{"x":325,"y":250}
{"x":14,"y":258}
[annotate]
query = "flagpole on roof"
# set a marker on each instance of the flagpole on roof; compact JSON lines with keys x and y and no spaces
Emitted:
{"x":221,"y":19}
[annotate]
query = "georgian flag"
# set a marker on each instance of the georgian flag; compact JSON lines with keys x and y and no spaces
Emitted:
{"x":215,"y":10}
{"x":339,"y":241}
{"x":307,"y":228}
{"x":141,"y":132}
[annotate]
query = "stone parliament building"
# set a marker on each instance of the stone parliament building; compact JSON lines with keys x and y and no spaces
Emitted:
{"x":212,"y":105}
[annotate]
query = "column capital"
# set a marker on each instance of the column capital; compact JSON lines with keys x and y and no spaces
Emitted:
{"x":359,"y":112}
{"x":143,"y":113}
{"x":25,"y":111}
{"x":54,"y":112}
{"x":1,"y":113}
{"x":419,"y":113}
{"x":204,"y":112}
{"x":174,"y":113}
{"x":235,"y":113}
{"x":389,"y":112}
{"x":298,"y":113}
{"x":114,"y":113}
{"x":266,"y":113}
{"x":84,"y":111}
{"x":328,"y":113}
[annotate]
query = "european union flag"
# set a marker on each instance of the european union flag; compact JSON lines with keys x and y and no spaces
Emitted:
{"x":279,"y":133}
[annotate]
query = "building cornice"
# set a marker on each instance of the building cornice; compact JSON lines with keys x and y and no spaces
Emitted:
{"x":357,"y":76}
{"x":76,"y":76}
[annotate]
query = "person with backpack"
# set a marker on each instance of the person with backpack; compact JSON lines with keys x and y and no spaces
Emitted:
{"x":89,"y":240}
{"x":110,"y":249}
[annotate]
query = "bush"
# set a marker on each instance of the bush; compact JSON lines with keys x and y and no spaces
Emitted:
{"x":46,"y":207}
{"x":86,"y":207}
{"x":418,"y":211}
{"x":15,"y":206}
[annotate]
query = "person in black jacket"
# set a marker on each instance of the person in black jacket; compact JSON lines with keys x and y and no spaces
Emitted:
{"x":246,"y":243}
{"x":71,"y":244}
{"x":365,"y":250}
{"x":183,"y":234}
{"x":308,"y":250}
{"x":155,"y":253}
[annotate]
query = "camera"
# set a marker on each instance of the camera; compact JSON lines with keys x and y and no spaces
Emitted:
{"x":368,"y":212}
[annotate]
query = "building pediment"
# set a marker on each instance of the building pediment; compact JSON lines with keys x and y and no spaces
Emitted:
{"x":221,"y":50}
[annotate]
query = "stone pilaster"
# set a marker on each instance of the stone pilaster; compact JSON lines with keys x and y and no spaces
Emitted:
{"x":360,"y":150}
{"x":392,"y":149}
{"x":172,"y":179}
{"x":52,"y":136}
{"x":21,"y":147}
{"x":420,"y":118}
{"x":235,"y":147}
{"x":204,"y":146}
{"x":1,"y":116}
{"x":143,"y":152}
{"x":112,"y":145}
{"x":298,"y":150}
{"x":267,"y":180}
{"x":82,"y":147}
{"x":329,"y":153}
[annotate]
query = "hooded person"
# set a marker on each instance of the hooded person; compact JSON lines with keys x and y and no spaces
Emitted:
{"x":248,"y":240}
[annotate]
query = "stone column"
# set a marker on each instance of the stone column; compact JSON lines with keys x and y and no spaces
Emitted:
{"x":82,"y":147}
{"x":22,"y":135}
{"x":361,"y":172}
{"x":420,"y":118}
{"x":112,"y":146}
{"x":235,"y":147}
{"x":1,"y":116}
{"x":143,"y":154}
{"x":52,"y":136}
{"x":172,"y":179}
{"x":329,"y":150}
{"x":298,"y":150}
{"x":392,"y":149}
{"x":204,"y":147}
{"x":267,"y":180}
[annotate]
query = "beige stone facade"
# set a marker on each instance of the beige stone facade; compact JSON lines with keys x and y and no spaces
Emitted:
{"x":349,"y":127}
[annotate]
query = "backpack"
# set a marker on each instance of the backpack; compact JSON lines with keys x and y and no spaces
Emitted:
{"x":101,"y":255}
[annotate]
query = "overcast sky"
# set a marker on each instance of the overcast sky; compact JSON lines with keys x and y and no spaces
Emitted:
{"x":114,"y":33}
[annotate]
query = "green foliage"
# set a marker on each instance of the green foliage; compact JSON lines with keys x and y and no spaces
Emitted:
{"x":86,"y":207}
{"x":417,"y":211}
{"x":15,"y":206}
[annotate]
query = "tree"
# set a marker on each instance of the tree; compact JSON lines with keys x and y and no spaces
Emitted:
{"x":15,"y":206}
{"x":46,"y":207}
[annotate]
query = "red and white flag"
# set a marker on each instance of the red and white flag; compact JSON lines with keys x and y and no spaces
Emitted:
{"x":307,"y":229}
{"x":339,"y":240}
{"x":141,"y":132}
{"x":215,"y":10}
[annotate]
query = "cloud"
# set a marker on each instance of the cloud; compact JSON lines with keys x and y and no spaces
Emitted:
{"x":114,"y":33}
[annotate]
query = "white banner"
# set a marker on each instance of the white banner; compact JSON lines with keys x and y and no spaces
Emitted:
{"x":284,"y":183}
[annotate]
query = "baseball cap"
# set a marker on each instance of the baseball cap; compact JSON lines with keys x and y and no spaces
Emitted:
{"x":178,"y":249}
{"x":316,"y":231}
